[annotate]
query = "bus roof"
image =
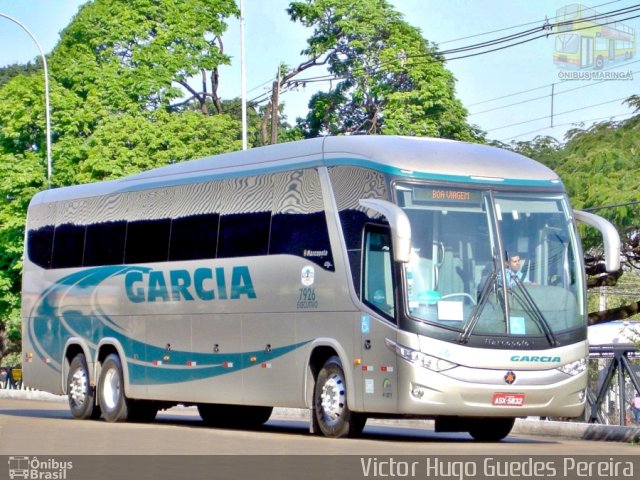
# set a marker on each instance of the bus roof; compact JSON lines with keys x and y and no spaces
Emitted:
{"x":411,"y":157}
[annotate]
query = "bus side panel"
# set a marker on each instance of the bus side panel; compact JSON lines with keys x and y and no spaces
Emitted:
{"x":41,"y":343}
{"x":203,"y":362}
{"x":270,"y":378}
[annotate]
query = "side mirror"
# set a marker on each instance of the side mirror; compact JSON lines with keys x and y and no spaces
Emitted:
{"x":399,"y":223}
{"x":610,"y":237}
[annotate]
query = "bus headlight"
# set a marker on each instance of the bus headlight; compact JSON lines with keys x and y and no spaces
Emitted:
{"x":419,"y":358}
{"x":574,"y":368}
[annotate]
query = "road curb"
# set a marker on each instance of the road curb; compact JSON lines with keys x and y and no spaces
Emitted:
{"x":576,"y":430}
{"x":543,"y":428}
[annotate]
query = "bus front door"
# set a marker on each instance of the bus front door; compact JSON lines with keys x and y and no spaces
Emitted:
{"x":379,"y":372}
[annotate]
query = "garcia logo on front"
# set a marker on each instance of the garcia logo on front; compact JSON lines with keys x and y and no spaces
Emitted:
{"x":37,"y":469}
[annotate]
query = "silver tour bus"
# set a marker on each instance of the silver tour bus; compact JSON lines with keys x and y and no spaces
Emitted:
{"x":357,"y":277}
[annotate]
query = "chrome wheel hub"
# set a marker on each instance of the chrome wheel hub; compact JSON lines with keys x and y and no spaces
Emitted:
{"x":78,"y":387}
{"x":333,"y":398}
{"x":111,"y":388}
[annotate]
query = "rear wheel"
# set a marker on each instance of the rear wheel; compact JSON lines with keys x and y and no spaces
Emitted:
{"x":331,"y":411}
{"x":113,"y":403}
{"x":490,"y":429}
{"x":82,"y":402}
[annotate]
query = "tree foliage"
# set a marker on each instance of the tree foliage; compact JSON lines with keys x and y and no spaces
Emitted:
{"x":599,"y":167}
{"x":123,"y":97}
{"x":117,"y":69}
{"x":388,"y":78}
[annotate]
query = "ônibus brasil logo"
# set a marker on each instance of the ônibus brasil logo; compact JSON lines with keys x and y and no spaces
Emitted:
{"x":33,"y":468}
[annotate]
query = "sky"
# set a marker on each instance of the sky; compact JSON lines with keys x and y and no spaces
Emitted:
{"x":508,"y":93}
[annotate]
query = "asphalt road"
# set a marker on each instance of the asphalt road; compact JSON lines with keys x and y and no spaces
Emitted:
{"x":29,"y":427}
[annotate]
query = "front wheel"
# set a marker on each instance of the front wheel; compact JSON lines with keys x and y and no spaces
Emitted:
{"x":490,"y":429}
{"x":82,"y":402}
{"x":331,"y":411}
{"x":113,"y":403}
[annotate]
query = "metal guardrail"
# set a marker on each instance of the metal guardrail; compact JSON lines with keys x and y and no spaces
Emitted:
{"x":11,"y":378}
{"x":617,"y":371}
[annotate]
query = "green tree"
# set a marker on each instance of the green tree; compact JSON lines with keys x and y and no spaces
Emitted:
{"x":10,"y":71}
{"x":598,"y":166}
{"x":389,"y":79}
{"x":116,"y":78}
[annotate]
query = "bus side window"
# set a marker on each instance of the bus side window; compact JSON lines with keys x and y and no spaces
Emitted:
{"x":377,"y":266}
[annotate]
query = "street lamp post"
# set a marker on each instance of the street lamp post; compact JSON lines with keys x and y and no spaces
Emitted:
{"x":46,"y":94}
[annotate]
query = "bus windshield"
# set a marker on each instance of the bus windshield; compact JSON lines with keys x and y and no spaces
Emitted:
{"x":490,"y":263}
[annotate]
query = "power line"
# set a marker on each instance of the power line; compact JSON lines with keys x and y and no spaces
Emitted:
{"x":515,"y":26}
{"x":514,"y":94}
{"x":613,"y":205}
{"x":538,"y":37}
{"x":547,"y":26}
{"x":509,"y":38}
{"x":498,"y":41}
{"x":608,"y":117}
{"x":561,"y":92}
{"x":557,"y":114}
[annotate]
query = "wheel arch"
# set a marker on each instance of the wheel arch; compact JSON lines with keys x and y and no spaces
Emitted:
{"x":106,"y":347}
{"x":319,"y":352}
{"x":73,"y":347}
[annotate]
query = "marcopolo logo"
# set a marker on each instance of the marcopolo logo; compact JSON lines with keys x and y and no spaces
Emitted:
{"x":38,"y":469}
{"x":587,"y":41}
{"x":205,"y":284}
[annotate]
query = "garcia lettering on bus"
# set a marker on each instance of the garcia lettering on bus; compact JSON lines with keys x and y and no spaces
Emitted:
{"x":175,"y":285}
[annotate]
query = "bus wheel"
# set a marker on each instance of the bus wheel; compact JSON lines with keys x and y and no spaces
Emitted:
{"x":82,"y":402}
{"x":599,"y":63}
{"x":332,"y":414}
{"x":111,"y":391}
{"x":490,"y":429}
{"x":254,"y":417}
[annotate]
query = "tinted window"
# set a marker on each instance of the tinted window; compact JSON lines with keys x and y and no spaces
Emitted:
{"x":194,"y":237}
{"x":40,"y":246}
{"x":377,"y":285}
{"x":304,"y":235}
{"x":244,"y":234}
{"x":104,"y":244}
{"x":68,"y":246}
{"x":148,"y":241}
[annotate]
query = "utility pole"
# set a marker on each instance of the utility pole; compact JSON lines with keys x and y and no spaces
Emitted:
{"x":275,"y":98}
{"x":243,"y":78}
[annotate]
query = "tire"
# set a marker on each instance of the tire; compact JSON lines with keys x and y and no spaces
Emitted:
{"x":331,"y":412}
{"x":81,"y":395}
{"x":599,"y":63}
{"x":490,"y":429}
{"x":113,"y":403}
{"x":233,"y":416}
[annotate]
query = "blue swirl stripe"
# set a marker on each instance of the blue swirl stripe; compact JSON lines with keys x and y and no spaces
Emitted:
{"x":52,"y":324}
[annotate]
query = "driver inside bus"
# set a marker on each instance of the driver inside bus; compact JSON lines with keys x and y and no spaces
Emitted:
{"x":514,"y":271}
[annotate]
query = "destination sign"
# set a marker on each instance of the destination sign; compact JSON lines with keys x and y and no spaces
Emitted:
{"x":449,"y":195}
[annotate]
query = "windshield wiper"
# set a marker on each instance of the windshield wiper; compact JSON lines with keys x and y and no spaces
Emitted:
{"x":527,"y":301}
{"x":475,"y":315}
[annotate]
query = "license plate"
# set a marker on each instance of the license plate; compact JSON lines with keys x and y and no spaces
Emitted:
{"x":508,"y":399}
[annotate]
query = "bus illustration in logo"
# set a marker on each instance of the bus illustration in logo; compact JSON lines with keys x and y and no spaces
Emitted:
{"x":586,"y":39}
{"x":18,"y":467}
